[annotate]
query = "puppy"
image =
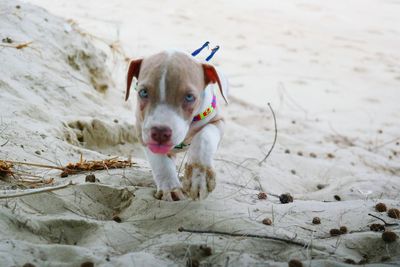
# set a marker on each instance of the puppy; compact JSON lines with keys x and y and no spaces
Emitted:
{"x":177,"y":110}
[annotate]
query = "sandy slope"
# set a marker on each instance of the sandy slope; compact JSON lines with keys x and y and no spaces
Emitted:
{"x":330,"y":71}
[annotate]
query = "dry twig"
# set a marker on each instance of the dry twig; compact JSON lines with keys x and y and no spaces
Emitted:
{"x":386,"y":224}
{"x":289,"y":241}
{"x":17,"y":46}
{"x":95,"y":165}
{"x":5,"y":168}
{"x":275,"y":137}
{"x":35,"y":191}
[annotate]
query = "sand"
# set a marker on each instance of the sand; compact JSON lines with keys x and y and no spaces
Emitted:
{"x":330,"y":71}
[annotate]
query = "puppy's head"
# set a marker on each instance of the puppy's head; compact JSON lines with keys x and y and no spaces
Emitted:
{"x":169,"y":88}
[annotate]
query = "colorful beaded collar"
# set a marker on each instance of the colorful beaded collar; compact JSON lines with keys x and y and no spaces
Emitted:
{"x":208,"y":111}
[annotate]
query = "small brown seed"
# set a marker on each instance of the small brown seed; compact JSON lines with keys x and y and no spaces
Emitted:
{"x":380,"y":207}
{"x":377,"y":227}
{"x":300,"y":153}
{"x":336,"y":197}
{"x":207,"y":251}
{"x":394,"y":213}
{"x":117,"y":219}
{"x":293,"y":172}
{"x":316,"y":220}
{"x":343,"y":230}
{"x":389,"y":236}
{"x":313,"y":155}
{"x":335,"y":232}
{"x":262,"y":195}
{"x":320,"y":186}
{"x":349,"y":261}
{"x":330,"y":155}
{"x":295,"y":263}
{"x":267,"y":221}
{"x":285,"y":198}
{"x":287,"y":151}
{"x":192,"y":262}
{"x":91,"y":178}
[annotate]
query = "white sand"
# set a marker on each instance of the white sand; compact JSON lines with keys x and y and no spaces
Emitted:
{"x":330,"y":70}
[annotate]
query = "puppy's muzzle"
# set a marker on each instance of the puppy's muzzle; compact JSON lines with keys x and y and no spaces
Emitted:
{"x":161,"y":135}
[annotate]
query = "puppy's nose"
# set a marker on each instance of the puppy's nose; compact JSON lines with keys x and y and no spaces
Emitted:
{"x":161,"y":134}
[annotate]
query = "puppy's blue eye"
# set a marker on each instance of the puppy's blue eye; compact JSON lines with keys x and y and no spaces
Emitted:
{"x":143,"y":93}
{"x":190,"y":98}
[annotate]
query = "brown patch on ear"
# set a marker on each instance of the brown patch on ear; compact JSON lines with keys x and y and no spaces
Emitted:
{"x":211,"y":76}
{"x":133,"y":71}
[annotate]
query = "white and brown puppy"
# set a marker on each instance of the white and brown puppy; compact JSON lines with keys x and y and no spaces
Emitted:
{"x":177,"y":110}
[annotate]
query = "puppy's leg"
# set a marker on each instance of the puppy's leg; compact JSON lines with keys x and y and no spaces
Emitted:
{"x":165,"y":176}
{"x":199,"y":177}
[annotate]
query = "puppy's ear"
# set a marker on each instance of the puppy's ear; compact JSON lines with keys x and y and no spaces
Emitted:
{"x":133,"y":71}
{"x":211,"y":76}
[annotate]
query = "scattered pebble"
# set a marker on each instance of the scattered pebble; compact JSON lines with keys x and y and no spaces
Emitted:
{"x":380,"y":207}
{"x":267,"y":221}
{"x":17,"y":6}
{"x":380,"y":131}
{"x":343,"y":230}
{"x":28,"y":265}
{"x":377,"y":227}
{"x":335,"y":232}
{"x":38,"y":152}
{"x":207,"y":251}
{"x":336,"y":197}
{"x":316,"y":220}
{"x":287,"y":151}
{"x":295,"y":263}
{"x":116,"y":121}
{"x":87,"y":264}
{"x":91,"y":178}
{"x":330,"y":155}
{"x":117,"y":219}
{"x":293,"y":172}
{"x":293,"y":122}
{"x":313,"y":155}
{"x":300,"y":153}
{"x":285,"y":198}
{"x":394,"y":213}
{"x":389,"y":236}
{"x":262,"y":195}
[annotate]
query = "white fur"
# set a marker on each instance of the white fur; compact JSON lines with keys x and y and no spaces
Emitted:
{"x":162,"y":84}
{"x":164,"y":171}
{"x":204,"y":145}
{"x":163,"y":115}
{"x":201,"y":151}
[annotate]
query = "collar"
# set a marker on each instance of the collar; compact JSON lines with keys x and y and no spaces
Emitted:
{"x":207,"y":111}
{"x":199,"y":117}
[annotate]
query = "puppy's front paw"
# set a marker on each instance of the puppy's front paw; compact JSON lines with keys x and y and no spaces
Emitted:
{"x":198,"y":180}
{"x":170,"y":195}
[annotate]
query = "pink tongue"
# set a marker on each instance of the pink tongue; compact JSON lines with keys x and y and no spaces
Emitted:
{"x":159,"y":149}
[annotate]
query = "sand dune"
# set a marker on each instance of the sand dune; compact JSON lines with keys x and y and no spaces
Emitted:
{"x":330,"y":74}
